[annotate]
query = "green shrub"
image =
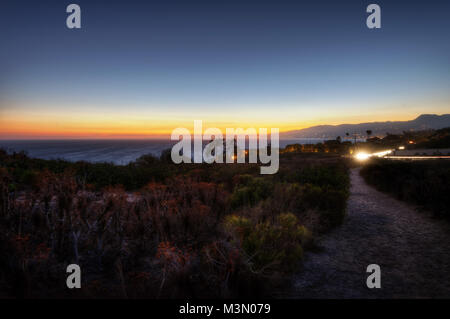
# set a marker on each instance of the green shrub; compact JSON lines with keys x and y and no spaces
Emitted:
{"x":334,"y":176}
{"x":270,"y":246}
{"x":250,"y":191}
{"x":330,"y":202}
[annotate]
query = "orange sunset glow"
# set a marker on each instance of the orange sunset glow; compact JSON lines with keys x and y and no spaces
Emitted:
{"x":18,"y":122}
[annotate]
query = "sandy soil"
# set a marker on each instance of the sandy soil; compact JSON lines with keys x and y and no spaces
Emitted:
{"x":412,"y":249}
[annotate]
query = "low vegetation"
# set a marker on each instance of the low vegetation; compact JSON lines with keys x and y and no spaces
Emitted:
{"x":425,"y":183}
{"x":154,"y":229}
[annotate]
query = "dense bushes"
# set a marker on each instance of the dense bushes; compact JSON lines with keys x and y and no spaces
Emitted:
{"x":322,"y":188}
{"x":270,"y":246}
{"x":421,"y":182}
{"x":250,"y":190}
{"x":98,"y":175}
{"x":332,"y":176}
{"x":438,"y":139}
{"x":185,"y":231}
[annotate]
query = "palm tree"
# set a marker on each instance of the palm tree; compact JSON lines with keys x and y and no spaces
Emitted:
{"x":369,"y":132}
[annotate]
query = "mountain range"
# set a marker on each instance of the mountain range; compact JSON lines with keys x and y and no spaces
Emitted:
{"x":422,"y":122}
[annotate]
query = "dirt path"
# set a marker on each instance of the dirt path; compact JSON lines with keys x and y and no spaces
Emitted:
{"x":412,"y":249}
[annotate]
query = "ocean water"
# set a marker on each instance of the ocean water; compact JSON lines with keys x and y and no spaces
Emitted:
{"x":113,"y":151}
{"x":119,"y":152}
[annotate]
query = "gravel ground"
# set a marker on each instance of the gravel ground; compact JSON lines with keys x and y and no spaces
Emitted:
{"x":412,"y":249}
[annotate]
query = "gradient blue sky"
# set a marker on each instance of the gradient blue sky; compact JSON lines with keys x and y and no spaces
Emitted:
{"x":146,"y":67}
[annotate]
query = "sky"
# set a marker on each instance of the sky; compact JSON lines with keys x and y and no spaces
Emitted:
{"x":142,"y":68}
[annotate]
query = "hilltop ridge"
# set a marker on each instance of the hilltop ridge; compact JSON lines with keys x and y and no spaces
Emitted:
{"x":422,"y":122}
